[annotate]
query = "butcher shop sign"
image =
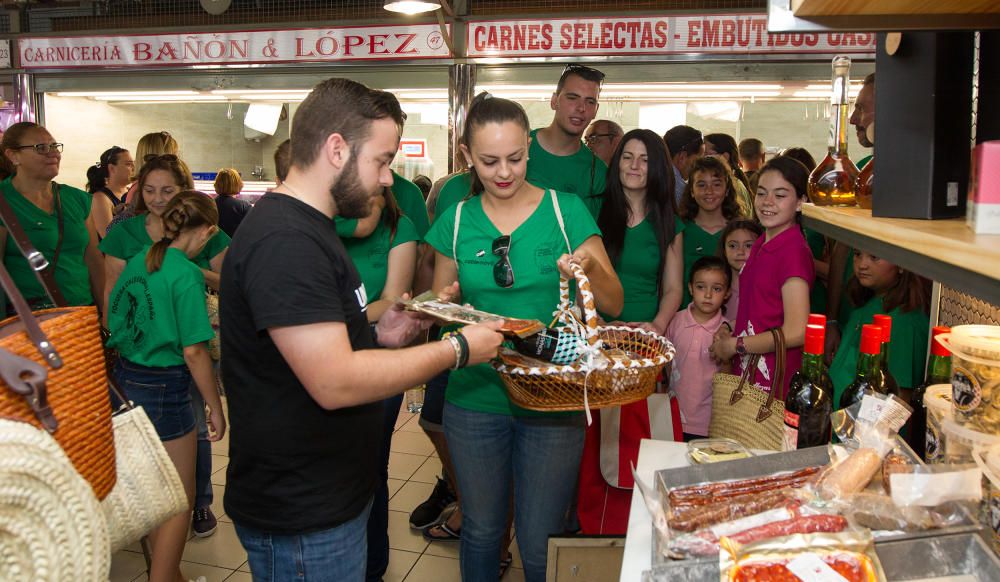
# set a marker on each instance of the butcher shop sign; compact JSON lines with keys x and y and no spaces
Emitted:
{"x":361,"y":43}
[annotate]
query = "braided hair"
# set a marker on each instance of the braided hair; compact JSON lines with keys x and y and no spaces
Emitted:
{"x":187,"y":210}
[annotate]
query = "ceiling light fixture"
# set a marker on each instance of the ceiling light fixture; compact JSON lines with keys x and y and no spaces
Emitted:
{"x":411,"y":6}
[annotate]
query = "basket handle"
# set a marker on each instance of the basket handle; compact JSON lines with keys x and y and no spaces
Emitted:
{"x":585,"y":298}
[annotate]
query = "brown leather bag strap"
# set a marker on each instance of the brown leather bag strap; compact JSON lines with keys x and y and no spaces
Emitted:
{"x":745,"y":378}
{"x":779,"y":374}
{"x":31,"y":326}
{"x":36,"y":260}
{"x":26,"y":378}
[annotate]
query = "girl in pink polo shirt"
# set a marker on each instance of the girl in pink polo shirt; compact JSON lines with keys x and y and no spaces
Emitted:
{"x":692,"y":331}
{"x":775,"y":281}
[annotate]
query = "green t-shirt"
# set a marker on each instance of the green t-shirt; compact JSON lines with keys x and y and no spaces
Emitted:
{"x":864,"y":161}
{"x":410,"y":200}
{"x":846,"y":308}
{"x":907,"y":347}
{"x":154,"y":316}
{"x":637,"y":267}
{"x":42,"y":229}
{"x":818,"y":294}
{"x":371,"y":254}
{"x":582,"y":173}
{"x":456,"y":188}
{"x":697,"y":244}
{"x":130,"y":237}
{"x":535,"y":247}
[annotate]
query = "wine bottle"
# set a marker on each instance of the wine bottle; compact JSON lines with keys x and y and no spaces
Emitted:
{"x":866,"y":377}
{"x":885,"y":378}
{"x":810,"y":397}
{"x":938,"y":372}
{"x":552,"y":345}
{"x":832,"y":182}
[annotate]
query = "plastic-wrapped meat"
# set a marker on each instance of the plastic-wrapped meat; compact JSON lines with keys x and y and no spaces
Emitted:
{"x":692,"y":518}
{"x":707,"y":493}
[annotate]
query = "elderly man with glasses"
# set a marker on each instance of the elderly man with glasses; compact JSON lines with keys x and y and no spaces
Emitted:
{"x":602,"y":138}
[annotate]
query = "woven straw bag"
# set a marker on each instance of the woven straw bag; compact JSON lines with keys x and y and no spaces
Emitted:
{"x":746,"y":412}
{"x":584,"y":385}
{"x":149,"y":491}
{"x":51,"y":525}
{"x":54,"y":375}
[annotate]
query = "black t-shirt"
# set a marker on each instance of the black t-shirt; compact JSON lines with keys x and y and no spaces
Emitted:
{"x":232,"y":211}
{"x":293,"y":466}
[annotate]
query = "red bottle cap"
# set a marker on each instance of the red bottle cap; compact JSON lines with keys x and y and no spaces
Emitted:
{"x":817,"y":319}
{"x":937,"y":348}
{"x":871,"y":339}
{"x":815,"y":336}
{"x":885,"y":322}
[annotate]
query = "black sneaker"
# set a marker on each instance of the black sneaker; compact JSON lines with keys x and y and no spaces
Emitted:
{"x":429,"y":512}
{"x":203,"y":522}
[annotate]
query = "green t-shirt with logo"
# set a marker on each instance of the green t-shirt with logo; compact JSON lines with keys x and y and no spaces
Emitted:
{"x":130,"y":237}
{"x":582,"y":173}
{"x":371,"y":254}
{"x":42,"y":229}
{"x":154,"y":316}
{"x":457,"y":187}
{"x":535,"y":246}
{"x":410,"y":200}
{"x":698,"y":243}
{"x":907,"y":347}
{"x":818,"y":293}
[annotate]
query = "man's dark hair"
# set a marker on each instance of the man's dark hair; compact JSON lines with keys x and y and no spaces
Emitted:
{"x":283,"y":159}
{"x":751,"y":148}
{"x":584,"y":72}
{"x":870,"y":79}
{"x":683,"y":138}
{"x":339,"y":106}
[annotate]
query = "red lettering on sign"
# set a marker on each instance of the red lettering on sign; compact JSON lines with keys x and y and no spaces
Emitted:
{"x":728,"y":33}
{"x":376,"y":44}
{"x":661,"y":34}
{"x":694,"y":33}
{"x":711,"y":33}
{"x":141,"y":51}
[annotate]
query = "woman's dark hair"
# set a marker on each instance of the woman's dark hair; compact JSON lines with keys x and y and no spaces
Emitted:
{"x":12,"y":139}
{"x":733,"y":226}
{"x":615,"y":211}
{"x":484,"y":109}
{"x":168,"y":163}
{"x":794,"y":172}
{"x":724,"y":143}
{"x":711,"y":263}
{"x":228,"y":182}
{"x":97,"y":175}
{"x":802,"y":155}
{"x":424,"y":183}
{"x":910,"y":292}
{"x":716,"y":167}
{"x":391,"y":212}
{"x":187,"y":210}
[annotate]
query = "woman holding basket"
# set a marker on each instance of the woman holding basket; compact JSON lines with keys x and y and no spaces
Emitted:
{"x":505,"y":246}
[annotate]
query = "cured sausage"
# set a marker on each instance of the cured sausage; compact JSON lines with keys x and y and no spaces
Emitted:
{"x":707,"y":493}
{"x":696,"y":517}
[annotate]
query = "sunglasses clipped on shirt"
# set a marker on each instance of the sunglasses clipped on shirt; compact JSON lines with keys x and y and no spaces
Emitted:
{"x":503,"y":272}
{"x":42,"y":148}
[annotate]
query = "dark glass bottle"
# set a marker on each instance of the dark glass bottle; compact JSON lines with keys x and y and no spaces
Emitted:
{"x":552,"y":345}
{"x":938,"y":372}
{"x":810,"y":397}
{"x":886,"y":381}
{"x":865,"y":380}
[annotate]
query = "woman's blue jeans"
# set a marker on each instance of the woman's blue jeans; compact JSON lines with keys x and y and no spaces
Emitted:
{"x":540,"y":456}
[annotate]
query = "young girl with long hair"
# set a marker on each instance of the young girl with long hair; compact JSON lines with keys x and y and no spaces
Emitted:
{"x":159,"y":325}
{"x":735,"y":244}
{"x":506,"y":246}
{"x":708,"y":204}
{"x":775,"y":280}
{"x":723,"y":145}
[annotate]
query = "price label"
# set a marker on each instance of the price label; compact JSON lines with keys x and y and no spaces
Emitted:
{"x":810,"y":568}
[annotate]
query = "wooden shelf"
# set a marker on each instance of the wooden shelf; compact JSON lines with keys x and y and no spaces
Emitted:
{"x":811,"y":8}
{"x":881,"y":15}
{"x":943,"y":250}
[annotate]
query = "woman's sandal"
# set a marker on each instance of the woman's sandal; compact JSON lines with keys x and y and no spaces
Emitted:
{"x":447,"y":534}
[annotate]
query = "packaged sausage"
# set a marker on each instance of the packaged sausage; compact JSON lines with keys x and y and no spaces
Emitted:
{"x":818,"y":557}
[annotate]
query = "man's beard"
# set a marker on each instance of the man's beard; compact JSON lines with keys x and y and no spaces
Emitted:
{"x":350,"y":196}
{"x":863,"y":138}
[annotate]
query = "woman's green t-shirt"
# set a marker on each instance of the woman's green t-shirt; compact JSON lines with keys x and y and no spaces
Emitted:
{"x":637,"y":268}
{"x":818,"y":293}
{"x":698,"y":243}
{"x":371,"y":254}
{"x":535,"y":246}
{"x":130,"y":237}
{"x":410,"y":200}
{"x":42,"y":229}
{"x":154,"y":316}
{"x":907,"y":346}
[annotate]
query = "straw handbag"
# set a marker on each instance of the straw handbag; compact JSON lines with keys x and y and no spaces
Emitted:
{"x":51,"y":525}
{"x":627,"y":375}
{"x":746,"y":412}
{"x":54,"y":377}
{"x":149,"y":491}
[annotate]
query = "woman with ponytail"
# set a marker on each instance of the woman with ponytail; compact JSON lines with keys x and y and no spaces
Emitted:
{"x":108,"y":181}
{"x":159,"y":325}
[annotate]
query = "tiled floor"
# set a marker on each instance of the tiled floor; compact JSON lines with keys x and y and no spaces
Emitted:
{"x":413,"y":469}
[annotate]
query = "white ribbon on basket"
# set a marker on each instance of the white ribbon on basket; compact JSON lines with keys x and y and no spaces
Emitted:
{"x":588,"y":352}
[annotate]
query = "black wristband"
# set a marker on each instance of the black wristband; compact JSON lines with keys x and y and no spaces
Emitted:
{"x":374,"y":328}
{"x":464,"y":344}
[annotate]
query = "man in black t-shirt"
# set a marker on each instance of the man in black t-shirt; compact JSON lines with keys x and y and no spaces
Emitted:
{"x":304,"y":386}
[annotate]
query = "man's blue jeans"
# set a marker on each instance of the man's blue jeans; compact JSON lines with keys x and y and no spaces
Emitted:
{"x":334,"y":555}
{"x":540,"y":456}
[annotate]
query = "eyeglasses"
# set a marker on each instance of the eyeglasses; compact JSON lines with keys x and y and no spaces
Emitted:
{"x":588,"y":73}
{"x":42,"y":148}
{"x":165,"y":157}
{"x":503,"y":272}
{"x":592,"y":138}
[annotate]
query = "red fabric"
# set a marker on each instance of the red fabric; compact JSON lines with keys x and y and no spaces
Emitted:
{"x":601,"y":508}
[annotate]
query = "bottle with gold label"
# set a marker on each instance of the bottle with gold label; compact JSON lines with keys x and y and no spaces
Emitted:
{"x":832,"y":182}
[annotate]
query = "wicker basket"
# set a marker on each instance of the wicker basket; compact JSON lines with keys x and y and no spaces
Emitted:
{"x":580,"y":386}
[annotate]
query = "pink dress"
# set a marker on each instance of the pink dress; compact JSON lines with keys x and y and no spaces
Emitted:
{"x":761,"y":307}
{"x":693,"y":368}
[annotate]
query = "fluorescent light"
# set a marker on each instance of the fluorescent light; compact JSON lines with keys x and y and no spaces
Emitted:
{"x":160,"y":97}
{"x":122,"y":94}
{"x":411,"y":6}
